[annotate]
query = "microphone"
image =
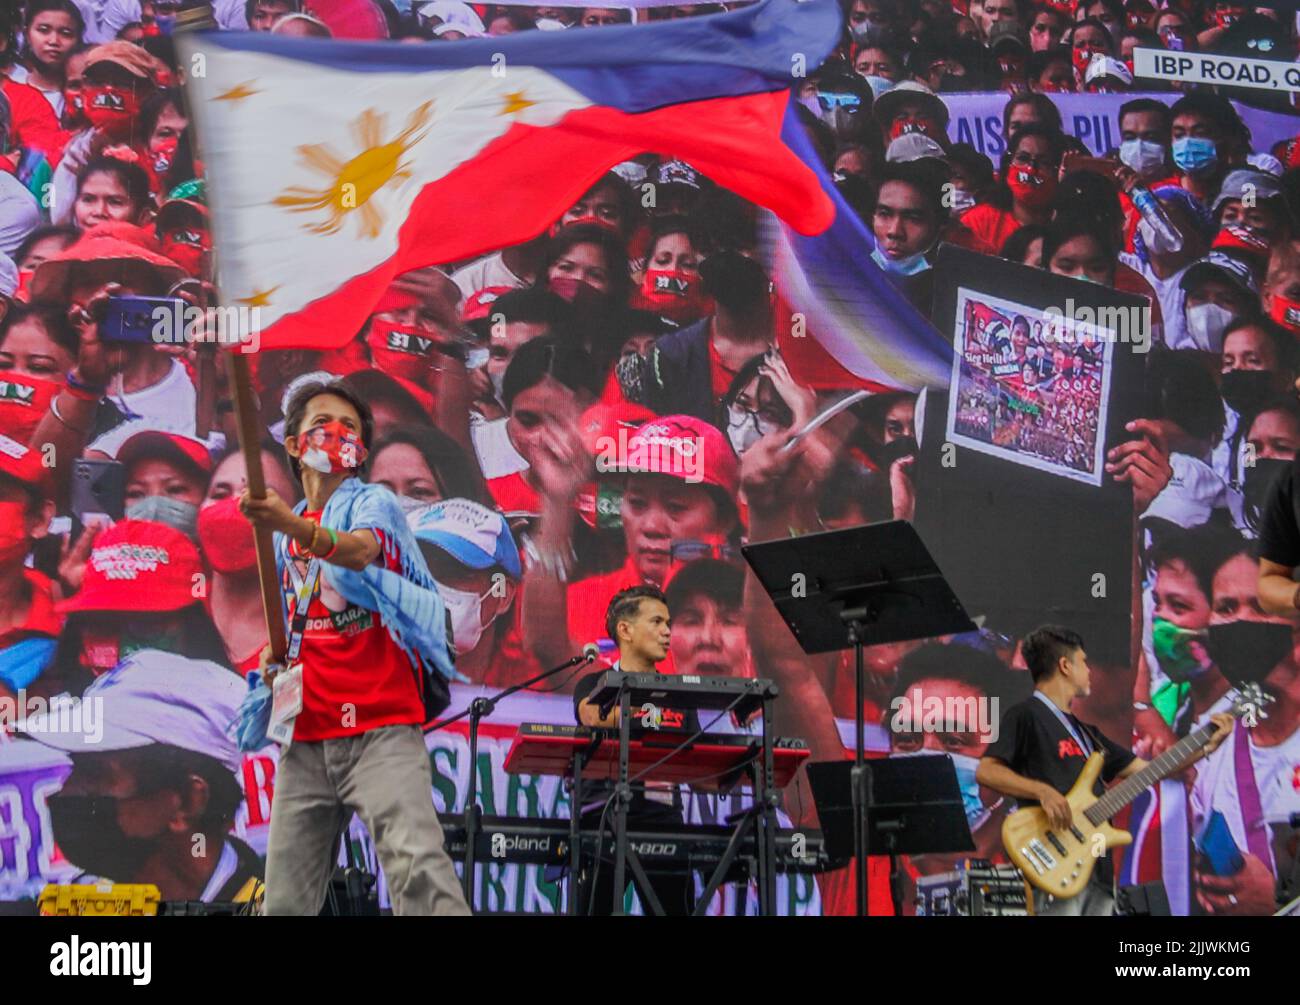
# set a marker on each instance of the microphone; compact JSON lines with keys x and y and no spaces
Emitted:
{"x":590,"y":652}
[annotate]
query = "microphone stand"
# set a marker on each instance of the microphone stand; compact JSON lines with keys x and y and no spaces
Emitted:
{"x":479,"y":709}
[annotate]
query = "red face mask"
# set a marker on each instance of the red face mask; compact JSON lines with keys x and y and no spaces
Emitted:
{"x":1227,"y":18}
{"x":14,"y":543}
{"x":675,"y":294}
{"x":401,"y":350}
{"x":1286,"y":313}
{"x":1082,"y":57}
{"x":161,"y":155}
{"x":111,"y":108}
{"x":188,"y":249}
{"x":1051,"y":87}
{"x":914,"y":124}
{"x":1029,"y":187}
{"x":226,"y":537}
{"x":99,"y":653}
{"x":23,"y":403}
{"x":578,"y":292}
{"x":331,"y":449}
{"x":590,"y":220}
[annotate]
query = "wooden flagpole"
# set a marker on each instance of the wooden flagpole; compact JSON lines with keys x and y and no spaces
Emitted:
{"x":250,"y":442}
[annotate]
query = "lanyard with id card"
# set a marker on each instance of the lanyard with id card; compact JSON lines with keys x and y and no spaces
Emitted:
{"x":286,"y":691}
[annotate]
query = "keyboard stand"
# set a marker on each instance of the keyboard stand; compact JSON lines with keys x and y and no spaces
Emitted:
{"x":762,"y":815}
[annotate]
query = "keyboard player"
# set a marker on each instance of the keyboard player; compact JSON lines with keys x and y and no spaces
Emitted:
{"x":639,"y":621}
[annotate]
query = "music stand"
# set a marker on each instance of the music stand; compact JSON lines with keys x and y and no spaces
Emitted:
{"x":911,"y":806}
{"x":852,"y":588}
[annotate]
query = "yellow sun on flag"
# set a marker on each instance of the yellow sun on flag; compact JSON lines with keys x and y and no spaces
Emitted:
{"x":353,"y":183}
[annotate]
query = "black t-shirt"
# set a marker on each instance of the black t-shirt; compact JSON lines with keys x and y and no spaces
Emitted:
{"x":642,"y":808}
{"x":1033,"y":742}
{"x":670,"y":720}
{"x":1279,"y":525}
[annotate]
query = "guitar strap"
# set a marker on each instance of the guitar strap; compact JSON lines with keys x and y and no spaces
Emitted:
{"x":1252,"y":808}
{"x":1080,"y":735}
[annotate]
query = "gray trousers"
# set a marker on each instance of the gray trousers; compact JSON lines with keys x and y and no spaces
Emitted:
{"x":384,"y":777}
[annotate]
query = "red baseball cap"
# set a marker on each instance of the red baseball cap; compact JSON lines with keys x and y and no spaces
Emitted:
{"x":23,"y":464}
{"x":682,"y":446}
{"x":605,"y":419}
{"x":478,"y":304}
{"x":184,"y":450}
{"x":138,"y":565}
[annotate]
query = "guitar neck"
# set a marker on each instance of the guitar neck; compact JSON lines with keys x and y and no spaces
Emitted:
{"x":1171,"y":761}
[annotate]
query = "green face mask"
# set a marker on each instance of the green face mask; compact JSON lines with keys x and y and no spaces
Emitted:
{"x":609,"y":507}
{"x":175,"y":513}
{"x":1180,"y":652}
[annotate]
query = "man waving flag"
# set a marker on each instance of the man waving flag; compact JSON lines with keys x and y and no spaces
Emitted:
{"x":335,"y":166}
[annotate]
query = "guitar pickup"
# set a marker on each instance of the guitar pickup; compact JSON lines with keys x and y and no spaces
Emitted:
{"x":1078,"y":835}
{"x":1032,"y":858}
{"x":1043,"y":853}
{"x":1056,"y":843}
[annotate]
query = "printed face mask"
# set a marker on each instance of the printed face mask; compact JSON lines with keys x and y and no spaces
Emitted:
{"x":175,"y":513}
{"x":1195,"y":154}
{"x":111,"y":108}
{"x":677,"y":295}
{"x":187,"y":248}
{"x":1030,"y":187}
{"x":331,"y":449}
{"x":1246,"y":651}
{"x":913,"y":124}
{"x":1286,"y":312}
{"x":1181,"y":652}
{"x":401,"y":350}
{"x":226,"y":537}
{"x":1142,"y":156}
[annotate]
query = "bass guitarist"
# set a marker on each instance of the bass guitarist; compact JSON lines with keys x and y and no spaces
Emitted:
{"x":1041,"y":749}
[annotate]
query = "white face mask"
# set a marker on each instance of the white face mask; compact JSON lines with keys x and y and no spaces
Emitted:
{"x":961,"y":201}
{"x":1205,"y":323}
{"x":1142,"y":156}
{"x":744,"y":428}
{"x":466,"y":610}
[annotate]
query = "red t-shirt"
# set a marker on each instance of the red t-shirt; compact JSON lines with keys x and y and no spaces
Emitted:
{"x":513,"y":494}
{"x":33,"y":123}
{"x":989,"y":226}
{"x":355,"y":677}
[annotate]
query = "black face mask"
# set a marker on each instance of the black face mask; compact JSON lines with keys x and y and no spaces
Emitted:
{"x":734,"y":281}
{"x":1258,"y":483}
{"x":904,"y":446}
{"x":1247,"y":651}
{"x":87,"y":832}
{"x":1245,"y":390}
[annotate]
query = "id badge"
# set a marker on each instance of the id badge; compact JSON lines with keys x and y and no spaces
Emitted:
{"x":286,"y":703}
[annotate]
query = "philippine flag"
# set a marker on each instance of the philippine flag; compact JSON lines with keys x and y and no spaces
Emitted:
{"x":335,"y":166}
{"x":864,"y":332}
